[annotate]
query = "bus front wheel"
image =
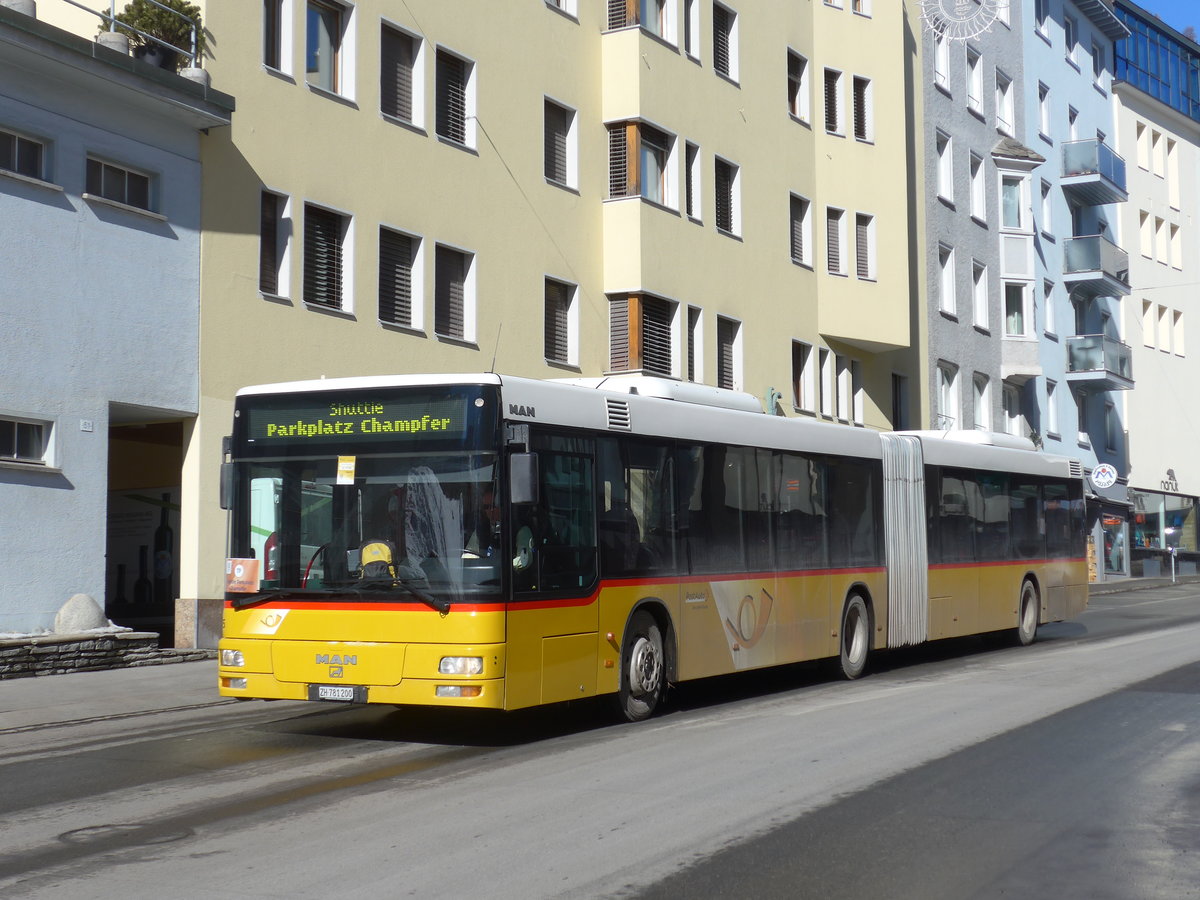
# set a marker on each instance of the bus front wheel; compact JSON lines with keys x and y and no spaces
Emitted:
{"x":1027,"y":614}
{"x":643,"y":672}
{"x":856,"y":637}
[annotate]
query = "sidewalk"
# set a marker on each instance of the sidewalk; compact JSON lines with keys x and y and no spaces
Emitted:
{"x":111,"y":693}
{"x":1116,"y":585}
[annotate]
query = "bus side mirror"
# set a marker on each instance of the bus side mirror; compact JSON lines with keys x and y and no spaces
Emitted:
{"x":226,"y":485}
{"x":523,"y":478}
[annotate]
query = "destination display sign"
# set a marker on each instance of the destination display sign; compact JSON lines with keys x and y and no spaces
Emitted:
{"x":358,"y":419}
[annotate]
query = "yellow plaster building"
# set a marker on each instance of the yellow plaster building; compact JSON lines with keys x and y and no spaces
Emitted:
{"x":711,"y":191}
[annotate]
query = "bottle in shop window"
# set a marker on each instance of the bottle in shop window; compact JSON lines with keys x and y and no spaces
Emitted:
{"x":164,"y":561}
{"x":143,"y":590}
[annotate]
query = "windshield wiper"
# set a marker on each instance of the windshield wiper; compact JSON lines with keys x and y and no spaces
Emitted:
{"x":441,"y":604}
{"x":262,"y":597}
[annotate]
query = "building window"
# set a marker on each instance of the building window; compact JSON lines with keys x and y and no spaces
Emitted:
{"x":567,"y":6}
{"x":24,"y":441}
{"x":1072,"y":124}
{"x":947,"y":396}
{"x":561,"y":145}
{"x":398,"y":281}
{"x":978,"y":189}
{"x":1004,"y":103}
{"x":1048,"y":305}
{"x":801,"y":231}
{"x":1172,"y":174}
{"x":864,"y":246}
{"x":1012,"y":203}
{"x":324,"y":239}
{"x":455,"y":98}
{"x":1010,"y":399}
{"x":691,"y":182}
{"x":401,"y":85}
{"x":1071,"y":38}
{"x":695,"y":338}
{"x":1177,"y":331}
{"x":863,"y":113}
{"x":1098,"y":64}
{"x":803,"y":377}
{"x":326,"y":27}
{"x":728,"y":341}
{"x":1016,"y":309}
{"x":941,"y":59}
{"x":982,"y":390}
{"x":654,"y":16}
{"x":979,"y":294}
{"x":899,"y":402}
{"x":797,"y":85}
{"x":691,"y":28}
{"x":640,"y":161}
{"x":273,"y":42}
{"x":1149,"y":335}
{"x":725,"y":41}
{"x":948,"y":302}
{"x":638,"y":322}
{"x":862,"y":7}
{"x":273,"y":245}
{"x":1081,"y":418}
{"x":944,"y":146}
{"x":1047,"y":209}
{"x":1052,"y":427}
{"x":1112,"y":426}
{"x":974,"y":80}
{"x":835,"y":239}
{"x":118,"y":184}
{"x":22,"y":155}
{"x":1041,"y":13}
{"x":833,"y":101}
{"x":453,"y":290}
{"x":560,"y":312}
{"x":1164,"y":329}
{"x":827,"y":380}
{"x":727,"y":182}
{"x":1045,"y":119}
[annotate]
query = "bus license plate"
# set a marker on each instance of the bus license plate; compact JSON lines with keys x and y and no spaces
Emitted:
{"x":333,"y":692}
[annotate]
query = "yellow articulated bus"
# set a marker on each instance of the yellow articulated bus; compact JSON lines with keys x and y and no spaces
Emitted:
{"x":494,"y":542}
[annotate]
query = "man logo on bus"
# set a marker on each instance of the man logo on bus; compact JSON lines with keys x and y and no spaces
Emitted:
{"x":515,"y":409}
{"x":752,"y":622}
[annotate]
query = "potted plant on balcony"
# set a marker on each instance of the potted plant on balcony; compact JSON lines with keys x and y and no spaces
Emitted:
{"x":172,"y":25}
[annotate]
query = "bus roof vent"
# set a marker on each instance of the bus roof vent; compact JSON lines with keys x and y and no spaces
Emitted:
{"x":1076,"y":468}
{"x":618,"y":414}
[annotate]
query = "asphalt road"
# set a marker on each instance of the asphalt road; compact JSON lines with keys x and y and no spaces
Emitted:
{"x":1067,"y":769}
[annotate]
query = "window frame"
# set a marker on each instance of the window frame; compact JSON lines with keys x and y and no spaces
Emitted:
{"x":835,"y":241}
{"x":280,"y":250}
{"x":343,"y":295}
{"x":865,"y":243}
{"x":800,"y":230}
{"x":732,"y":197}
{"x":727,"y":38}
{"x":16,"y":139}
{"x":342,"y":68}
{"x":570,"y":325}
{"x":468,"y":299}
{"x":799,"y":101}
{"x":416,"y":281}
{"x":416,"y":76}
{"x":125,"y":202}
{"x":569,"y":148}
{"x":863,"y":102}
{"x":835,"y":114}
{"x":44,"y":435}
{"x":455,"y":127}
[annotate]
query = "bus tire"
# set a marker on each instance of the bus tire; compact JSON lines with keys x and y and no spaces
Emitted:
{"x":1027,"y":614}
{"x":856,"y":637}
{"x":643,"y":668}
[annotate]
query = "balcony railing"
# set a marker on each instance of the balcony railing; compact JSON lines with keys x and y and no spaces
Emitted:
{"x":1100,"y":362}
{"x":1093,"y":173}
{"x":1095,"y":266}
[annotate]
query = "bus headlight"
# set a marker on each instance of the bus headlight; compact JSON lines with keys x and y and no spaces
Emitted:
{"x":460,"y":665}
{"x":233,"y":658}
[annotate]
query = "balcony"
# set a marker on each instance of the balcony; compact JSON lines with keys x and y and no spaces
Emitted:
{"x":1093,"y":174}
{"x":1094,"y":266}
{"x":1099,"y":363}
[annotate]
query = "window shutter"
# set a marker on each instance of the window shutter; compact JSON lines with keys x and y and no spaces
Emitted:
{"x":833,"y":241}
{"x":268,"y":245}
{"x":322,"y":257}
{"x":451,"y":98}
{"x":862,"y":246}
{"x":618,"y":161}
{"x":860,"y":108}
{"x":721,"y":28}
{"x":450,"y":292}
{"x":724,"y":187}
{"x":395,"y":277}
{"x":656,"y":336}
{"x":622,"y":13}
{"x":795,"y":75}
{"x":726,"y":331}
{"x":556,"y":143}
{"x":618,"y":334}
{"x":831,"y":102}
{"x":556,"y":321}
{"x":797,"y":235}
{"x":693,"y":326}
{"x":395,"y":74}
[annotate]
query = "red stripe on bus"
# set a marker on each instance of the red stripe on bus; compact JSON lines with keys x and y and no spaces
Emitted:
{"x":1006,"y":562}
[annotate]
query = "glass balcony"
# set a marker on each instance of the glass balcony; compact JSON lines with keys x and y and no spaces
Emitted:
{"x":1100,"y":363}
{"x":1094,"y":266}
{"x":1093,"y":174}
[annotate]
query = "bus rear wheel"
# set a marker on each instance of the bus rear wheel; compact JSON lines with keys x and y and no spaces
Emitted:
{"x":1027,"y":614}
{"x":856,"y":637}
{"x":643,"y":672}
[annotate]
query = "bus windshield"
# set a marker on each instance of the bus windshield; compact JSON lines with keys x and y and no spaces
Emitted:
{"x":330,"y":510}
